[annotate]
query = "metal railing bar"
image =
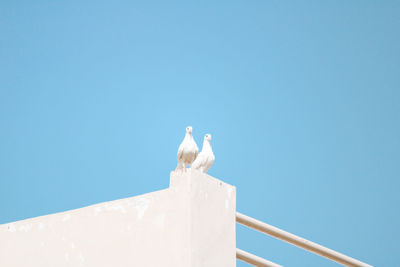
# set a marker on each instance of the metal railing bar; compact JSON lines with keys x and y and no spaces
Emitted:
{"x":253,"y":259}
{"x":298,"y":241}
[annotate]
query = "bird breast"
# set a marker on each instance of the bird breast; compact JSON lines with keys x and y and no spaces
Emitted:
{"x":189,"y":156}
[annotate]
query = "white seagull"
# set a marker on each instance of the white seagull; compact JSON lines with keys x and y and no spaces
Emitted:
{"x":206,"y":157}
{"x":187,"y":151}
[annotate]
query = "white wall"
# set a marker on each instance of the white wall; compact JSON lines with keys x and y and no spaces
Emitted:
{"x":192,"y":223}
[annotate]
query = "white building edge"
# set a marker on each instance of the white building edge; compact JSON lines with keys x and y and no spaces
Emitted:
{"x":190,"y":224}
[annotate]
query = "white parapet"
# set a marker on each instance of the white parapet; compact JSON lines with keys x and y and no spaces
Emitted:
{"x":192,"y":223}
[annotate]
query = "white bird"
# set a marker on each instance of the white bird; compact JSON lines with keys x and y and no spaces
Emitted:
{"x":206,"y":157}
{"x":187,"y":151}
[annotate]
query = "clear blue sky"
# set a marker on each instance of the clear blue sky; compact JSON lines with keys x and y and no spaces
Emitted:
{"x":302,"y":100}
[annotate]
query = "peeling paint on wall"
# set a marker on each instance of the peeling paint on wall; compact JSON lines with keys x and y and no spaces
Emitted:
{"x":97,"y":210}
{"x":140,"y":205}
{"x":114,"y":207}
{"x":11,"y":228}
{"x":66,"y":217}
{"x":25,"y":227}
{"x":81,"y":259}
{"x":230,"y":190}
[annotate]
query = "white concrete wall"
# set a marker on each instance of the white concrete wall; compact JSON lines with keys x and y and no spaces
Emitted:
{"x":192,"y":223}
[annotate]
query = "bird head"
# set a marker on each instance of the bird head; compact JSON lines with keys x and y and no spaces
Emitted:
{"x":207,"y":137}
{"x":189,"y":130}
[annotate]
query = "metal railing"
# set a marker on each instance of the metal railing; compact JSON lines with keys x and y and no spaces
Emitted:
{"x":253,"y":259}
{"x":292,"y":239}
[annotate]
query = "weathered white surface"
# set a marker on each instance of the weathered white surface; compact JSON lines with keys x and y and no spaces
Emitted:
{"x":192,"y":223}
{"x":212,"y":208}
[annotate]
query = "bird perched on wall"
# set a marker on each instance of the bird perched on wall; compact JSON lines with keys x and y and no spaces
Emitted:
{"x":187,"y":151}
{"x":206,"y":157}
